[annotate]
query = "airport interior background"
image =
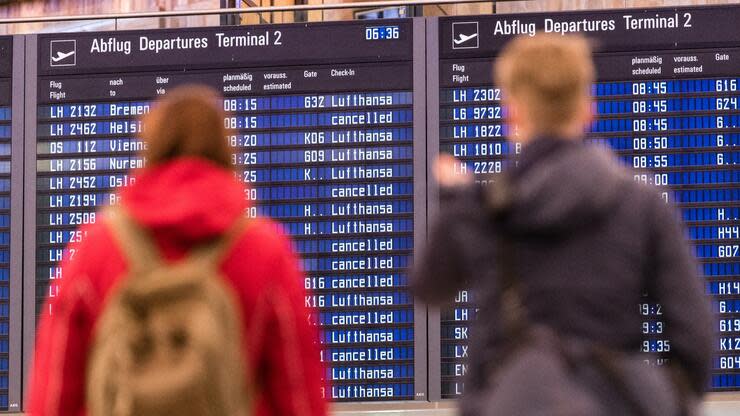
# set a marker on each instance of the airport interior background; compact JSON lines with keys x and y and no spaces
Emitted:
{"x":337,"y":107}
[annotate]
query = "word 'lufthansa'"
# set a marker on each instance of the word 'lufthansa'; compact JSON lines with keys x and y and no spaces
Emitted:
{"x":357,"y":336}
{"x":360,"y":373}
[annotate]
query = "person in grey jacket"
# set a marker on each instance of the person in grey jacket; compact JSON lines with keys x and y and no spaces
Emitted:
{"x":584,"y":241}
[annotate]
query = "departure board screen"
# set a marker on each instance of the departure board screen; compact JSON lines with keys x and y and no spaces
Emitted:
{"x":666,"y":101}
{"x":7,"y":328}
{"x":322,"y":120}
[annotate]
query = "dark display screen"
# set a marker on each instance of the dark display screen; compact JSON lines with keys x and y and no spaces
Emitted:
{"x":6,"y":55}
{"x":322,"y":121}
{"x":667,"y":101}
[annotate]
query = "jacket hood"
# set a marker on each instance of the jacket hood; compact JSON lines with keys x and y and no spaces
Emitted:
{"x":559,"y":186}
{"x":187,"y":199}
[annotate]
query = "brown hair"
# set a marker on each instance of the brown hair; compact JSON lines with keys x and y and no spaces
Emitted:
{"x":188,"y":121}
{"x":550,"y":74}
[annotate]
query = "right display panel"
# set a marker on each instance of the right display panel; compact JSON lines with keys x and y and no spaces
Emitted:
{"x":667,"y":101}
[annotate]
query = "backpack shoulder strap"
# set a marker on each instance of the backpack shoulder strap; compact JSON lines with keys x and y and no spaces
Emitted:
{"x":136,"y":243}
{"x":214,"y":251}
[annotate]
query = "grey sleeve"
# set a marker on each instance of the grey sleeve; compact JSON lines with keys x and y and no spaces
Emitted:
{"x":443,"y":266}
{"x":679,"y":288}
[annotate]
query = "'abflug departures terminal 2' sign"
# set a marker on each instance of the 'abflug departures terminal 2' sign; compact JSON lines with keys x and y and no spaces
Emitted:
{"x":667,"y":102}
{"x":323,"y":121}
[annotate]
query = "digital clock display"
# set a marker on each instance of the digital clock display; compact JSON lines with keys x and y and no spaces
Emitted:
{"x":382,"y":32}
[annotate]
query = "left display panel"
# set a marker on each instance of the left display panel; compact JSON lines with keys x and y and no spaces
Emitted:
{"x":322,"y":120}
{"x":11,"y":221}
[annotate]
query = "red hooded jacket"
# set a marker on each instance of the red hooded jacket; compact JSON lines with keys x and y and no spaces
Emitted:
{"x":185,"y":202}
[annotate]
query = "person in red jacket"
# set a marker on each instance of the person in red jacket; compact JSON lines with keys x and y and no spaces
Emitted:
{"x":187,"y":194}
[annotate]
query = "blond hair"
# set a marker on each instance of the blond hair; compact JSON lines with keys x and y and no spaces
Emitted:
{"x":550,"y":75}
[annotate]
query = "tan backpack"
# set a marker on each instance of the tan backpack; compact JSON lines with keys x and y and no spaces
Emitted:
{"x":169,"y":339}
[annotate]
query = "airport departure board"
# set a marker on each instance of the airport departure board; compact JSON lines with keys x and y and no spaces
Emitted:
{"x":323,"y":127}
{"x":6,"y":134}
{"x":667,"y":102}
{"x":334,"y":127}
{"x":11,"y":290}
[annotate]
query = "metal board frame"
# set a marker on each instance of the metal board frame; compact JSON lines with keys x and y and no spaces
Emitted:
{"x":15,"y":368}
{"x":432,"y":102}
{"x":420,"y":201}
{"x":29,"y":206}
{"x":427,"y":377}
{"x":433,"y":130}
